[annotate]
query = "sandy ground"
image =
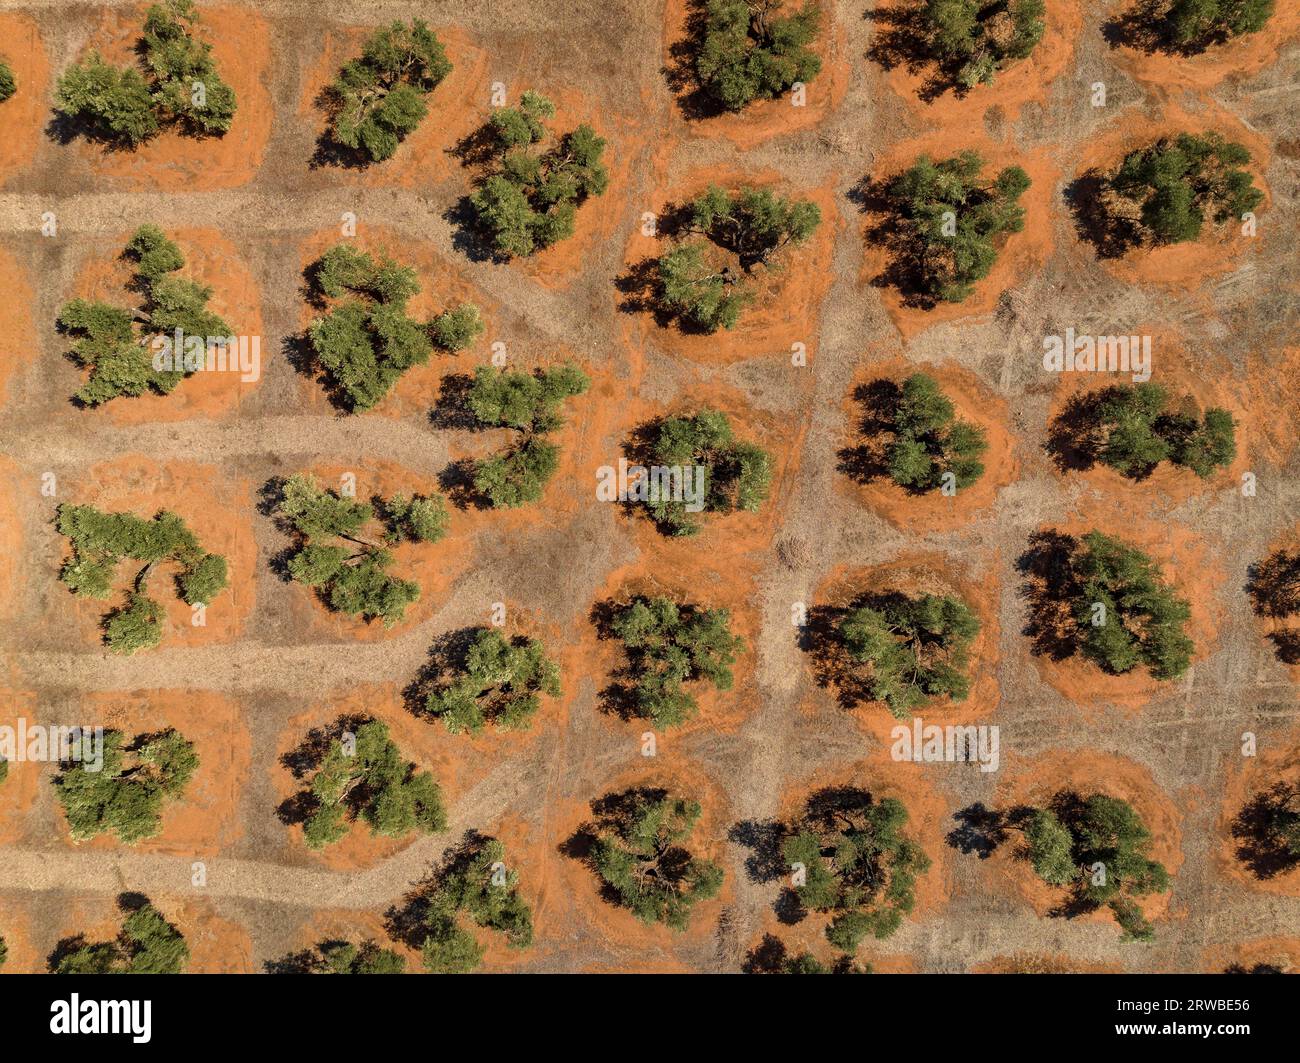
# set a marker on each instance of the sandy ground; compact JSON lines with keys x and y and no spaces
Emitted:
{"x":271,"y":661}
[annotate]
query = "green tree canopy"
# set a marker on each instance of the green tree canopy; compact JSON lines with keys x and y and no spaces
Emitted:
{"x":1140,"y":620}
{"x":379,"y":98}
{"x":530,"y":198}
{"x":1138,"y":427}
{"x":856,"y":862}
{"x":638,"y":850}
{"x":704,"y":276}
{"x":669,"y":645}
{"x":366,"y":340}
{"x":1195,"y":24}
{"x":949,"y":222}
{"x":737,"y":475}
{"x":118,"y":345}
{"x":500,"y":683}
{"x":180,"y":85}
{"x":917,"y":648}
{"x":1170,"y":188}
{"x":363,"y":776}
{"x":530,"y":404}
{"x":973,"y":39}
{"x":932,"y":447}
{"x":126,"y":794}
{"x":354,"y":578}
{"x":8,"y":84}
{"x":99,"y":540}
{"x":749,"y":50}
{"x":1099,"y":847}
{"x":147,"y":944}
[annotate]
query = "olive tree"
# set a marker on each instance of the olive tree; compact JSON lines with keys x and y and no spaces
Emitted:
{"x":363,"y":776}
{"x":529,"y":404}
{"x":365,"y":340}
{"x":669,"y":645}
{"x":751,"y":49}
{"x":638,"y":850}
{"x":147,"y":944}
{"x":948,"y":221}
{"x":500,"y":682}
{"x":380,"y":97}
{"x":705,"y":277}
{"x":973,"y":41}
{"x":1098,"y":847}
{"x":180,"y":86}
{"x":932,"y":448}
{"x":473,"y":886}
{"x":916,"y":648}
{"x":100,"y":540}
{"x":1168,"y":190}
{"x":852,"y":858}
{"x":530,"y":198}
{"x":120,"y":345}
{"x":1135,"y":428}
{"x":729,"y":474}
{"x":126,"y":793}
{"x":334,"y":555}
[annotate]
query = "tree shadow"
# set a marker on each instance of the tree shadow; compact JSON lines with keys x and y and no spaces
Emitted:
{"x":695,"y":102}
{"x":469,"y":237}
{"x":456,"y":481}
{"x":1260,"y":845}
{"x":618,"y":697}
{"x":764,"y":838}
{"x":907,"y":269}
{"x":451,"y":411}
{"x":1050,"y":585}
{"x":982,"y":830}
{"x":1274,"y":589}
{"x":1110,"y":235}
{"x":1074,"y":438}
{"x":867,"y":461}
